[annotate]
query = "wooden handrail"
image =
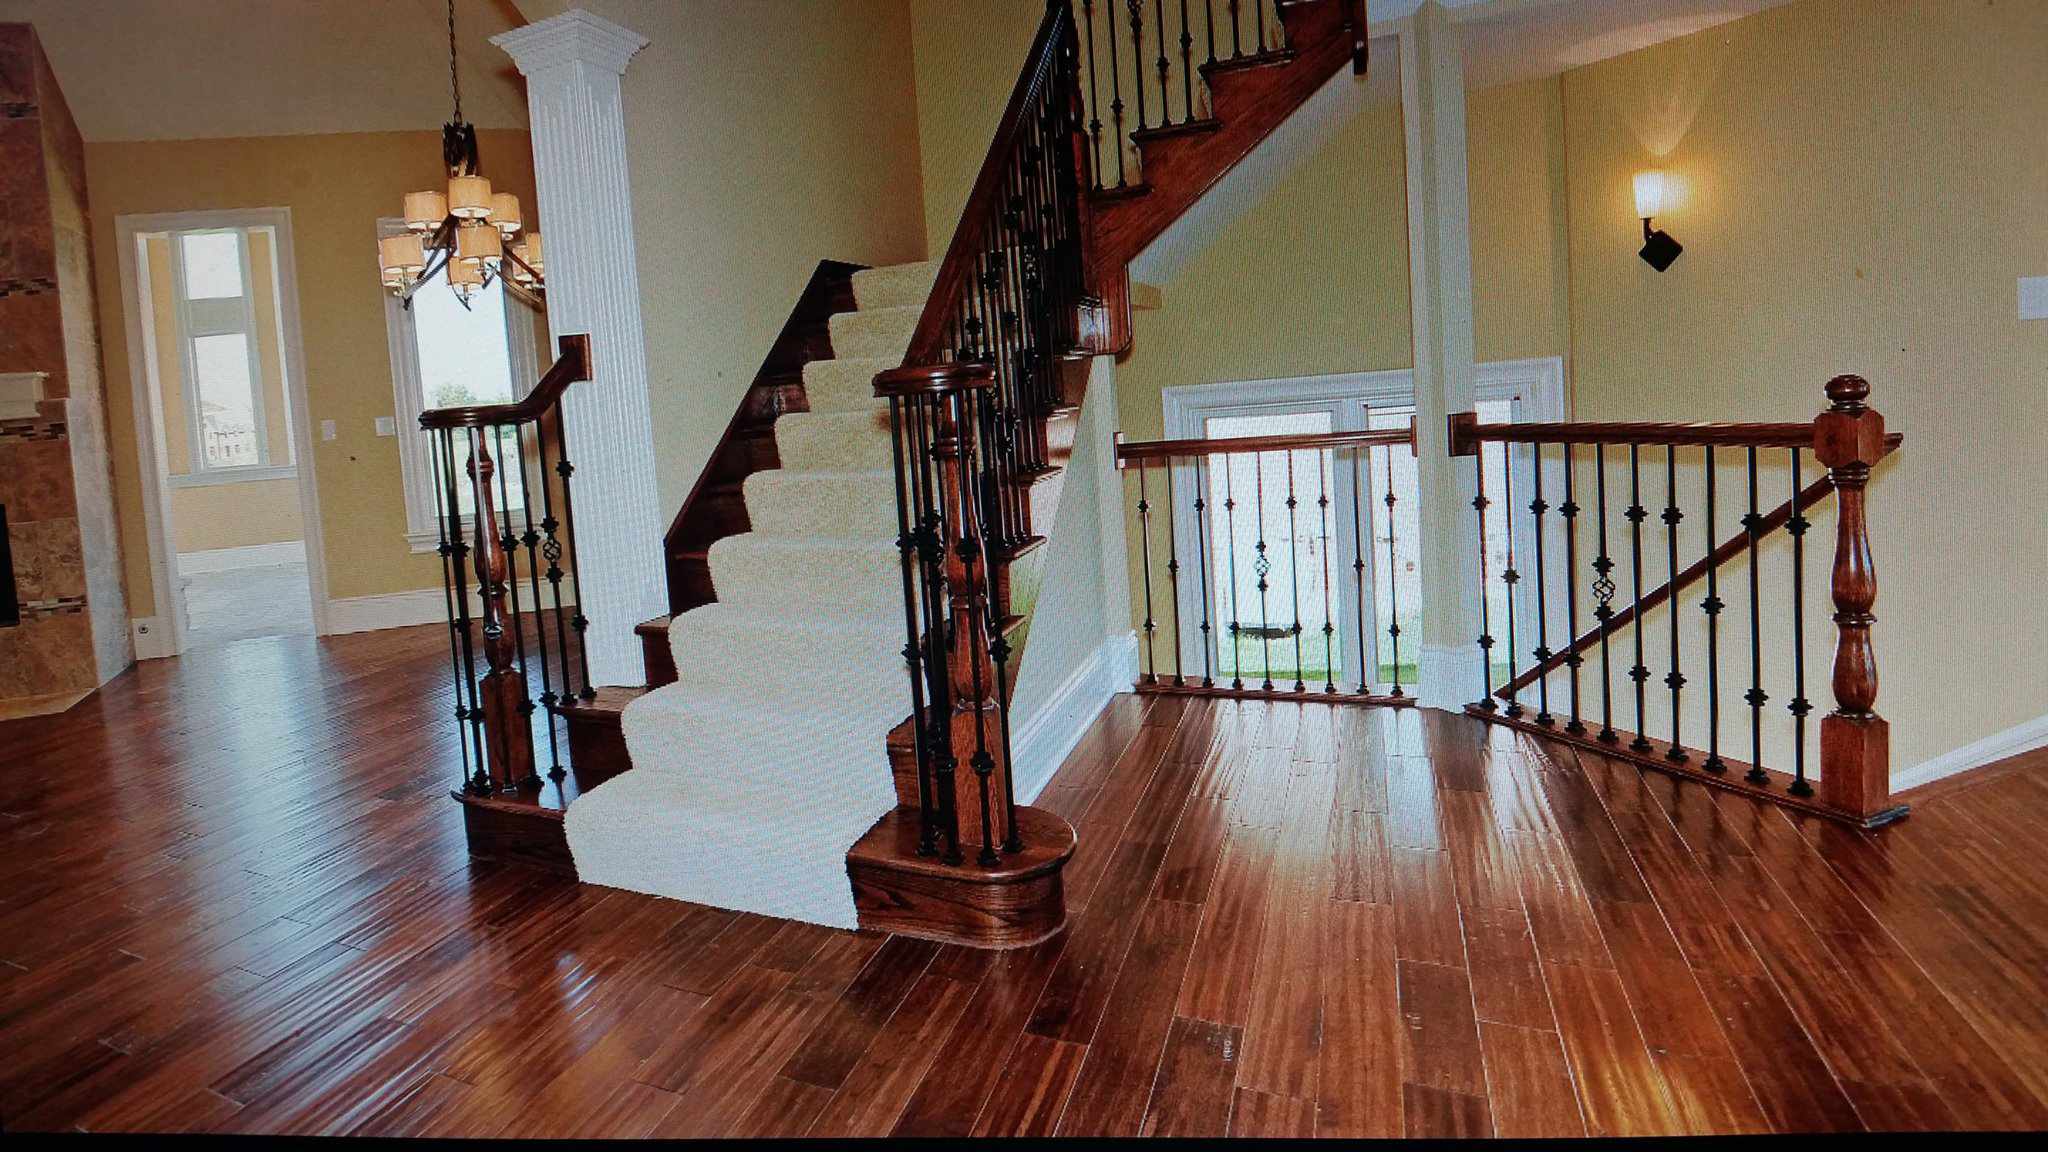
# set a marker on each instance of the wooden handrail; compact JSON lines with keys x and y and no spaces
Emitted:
{"x":1160,"y":449}
{"x":933,"y":379}
{"x":1723,"y":553}
{"x":987,"y":196}
{"x":1467,"y":433}
{"x":572,"y":365}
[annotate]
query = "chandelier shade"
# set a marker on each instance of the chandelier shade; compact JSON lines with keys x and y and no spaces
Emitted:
{"x":479,"y":244}
{"x":505,"y":215}
{"x":469,"y":197}
{"x":424,"y":211}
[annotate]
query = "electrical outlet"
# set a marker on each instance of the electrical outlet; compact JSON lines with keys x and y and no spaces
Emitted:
{"x":387,"y":426}
{"x":2034,"y":297}
{"x":327,"y":430}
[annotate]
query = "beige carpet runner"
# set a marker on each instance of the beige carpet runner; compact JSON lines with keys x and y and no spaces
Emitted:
{"x":762,"y":764}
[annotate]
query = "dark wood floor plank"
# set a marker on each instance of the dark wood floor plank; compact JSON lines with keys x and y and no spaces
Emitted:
{"x":235,"y":898}
{"x":1191,"y":1095}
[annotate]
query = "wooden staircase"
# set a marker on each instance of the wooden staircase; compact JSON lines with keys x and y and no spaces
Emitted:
{"x":897,"y":889}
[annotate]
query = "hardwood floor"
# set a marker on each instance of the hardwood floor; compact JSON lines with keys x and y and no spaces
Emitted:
{"x":234,"y":897}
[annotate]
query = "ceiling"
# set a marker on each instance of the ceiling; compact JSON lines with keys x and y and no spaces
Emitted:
{"x":192,"y":69}
{"x":1511,"y":40}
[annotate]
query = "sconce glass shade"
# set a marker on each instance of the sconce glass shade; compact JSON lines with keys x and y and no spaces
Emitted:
{"x":1649,"y":189}
{"x":469,"y":197}
{"x":402,"y":254}
{"x":505,"y":214}
{"x":479,"y":245}
{"x":424,"y":211}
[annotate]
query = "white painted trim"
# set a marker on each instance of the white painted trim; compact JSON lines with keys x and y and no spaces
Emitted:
{"x":245,"y":556}
{"x":2024,"y":737}
{"x":251,"y":474}
{"x":1445,"y":679}
{"x":1042,"y":742}
{"x":416,"y":607}
{"x":152,"y":640}
{"x":149,"y":446}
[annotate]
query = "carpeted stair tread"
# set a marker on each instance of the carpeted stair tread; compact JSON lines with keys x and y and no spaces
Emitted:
{"x":896,"y":286}
{"x":859,"y":503}
{"x":834,"y":440}
{"x":771,"y":572}
{"x":881,"y":334}
{"x":845,"y":385}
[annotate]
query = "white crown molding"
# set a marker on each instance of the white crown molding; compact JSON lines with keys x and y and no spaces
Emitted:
{"x":574,"y":37}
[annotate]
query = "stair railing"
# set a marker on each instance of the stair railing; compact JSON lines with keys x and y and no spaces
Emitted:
{"x":968,"y":411}
{"x":492,"y":463}
{"x":1263,"y":558}
{"x":1571,"y":472}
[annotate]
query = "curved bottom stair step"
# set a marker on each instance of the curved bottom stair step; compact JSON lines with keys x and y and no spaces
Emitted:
{"x":1018,"y":902}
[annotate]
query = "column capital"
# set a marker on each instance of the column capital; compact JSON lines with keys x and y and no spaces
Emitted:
{"x":574,"y":37}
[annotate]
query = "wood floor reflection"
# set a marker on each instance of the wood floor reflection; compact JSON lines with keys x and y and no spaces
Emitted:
{"x":234,"y":897}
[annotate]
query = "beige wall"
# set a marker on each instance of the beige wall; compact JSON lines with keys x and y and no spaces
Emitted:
{"x":336,"y":187}
{"x":1313,"y":279}
{"x":236,"y":515}
{"x":968,"y":55}
{"x":765,"y":136}
{"x":1858,"y":190}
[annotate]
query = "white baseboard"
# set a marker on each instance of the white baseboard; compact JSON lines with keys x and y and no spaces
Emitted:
{"x":416,"y":607}
{"x":2024,"y":737}
{"x":246,"y":556}
{"x":1448,"y":678}
{"x":1042,"y":742}
{"x":152,"y":638}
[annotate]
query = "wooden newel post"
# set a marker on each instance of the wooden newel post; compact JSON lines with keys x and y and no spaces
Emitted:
{"x":1855,"y":742}
{"x":508,"y":734}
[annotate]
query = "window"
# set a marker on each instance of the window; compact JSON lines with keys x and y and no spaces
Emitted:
{"x":230,"y":431}
{"x":446,"y":355}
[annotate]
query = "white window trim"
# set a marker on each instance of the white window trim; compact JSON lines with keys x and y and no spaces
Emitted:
{"x":415,"y":451}
{"x":1538,"y":384}
{"x":198,"y":474}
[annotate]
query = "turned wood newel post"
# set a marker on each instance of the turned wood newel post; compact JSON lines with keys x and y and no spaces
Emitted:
{"x":508,"y":734}
{"x":1855,"y":742}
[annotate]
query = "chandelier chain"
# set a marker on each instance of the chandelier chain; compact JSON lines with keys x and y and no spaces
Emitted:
{"x":454,"y":78}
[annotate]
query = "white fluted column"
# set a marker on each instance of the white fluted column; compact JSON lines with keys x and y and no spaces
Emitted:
{"x":1440,"y":311}
{"x":572,"y":63}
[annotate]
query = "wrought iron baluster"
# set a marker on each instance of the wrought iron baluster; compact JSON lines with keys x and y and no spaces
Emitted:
{"x":509,"y":541}
{"x":1479,"y":503}
{"x":1259,"y":6}
{"x":1209,"y":26}
{"x":1173,"y":578}
{"x":1116,"y":103}
{"x":1712,"y":606}
{"x":1230,"y":537}
{"x":1202,"y":558}
{"x":1510,"y":578}
{"x":1756,"y":697}
{"x":1796,"y":527}
{"x":578,"y":623}
{"x":1361,"y":459}
{"x":1294,"y":566}
{"x":1675,"y":679}
{"x":1537,"y":507}
{"x":1187,"y":66}
{"x":1393,"y":580}
{"x":1603,"y":591}
{"x":551,"y":550}
{"x":1159,"y":37}
{"x":531,"y":539}
{"x":1095,"y":101}
{"x":1569,"y":510}
{"x":980,"y":627}
{"x":1236,"y":44}
{"x":1638,"y":672}
{"x":1137,"y":8}
{"x":1326,"y":459}
{"x":481,"y":780}
{"x":1145,"y":549}
{"x":447,"y":524}
{"x":1262,"y":566}
{"x":906,"y":550}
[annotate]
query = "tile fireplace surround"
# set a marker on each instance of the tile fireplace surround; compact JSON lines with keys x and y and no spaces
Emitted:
{"x":71,"y":629}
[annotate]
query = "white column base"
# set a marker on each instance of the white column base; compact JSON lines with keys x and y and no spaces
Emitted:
{"x":1448,"y":677}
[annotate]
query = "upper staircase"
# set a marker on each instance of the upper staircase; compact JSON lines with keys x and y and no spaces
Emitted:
{"x":898,"y":454}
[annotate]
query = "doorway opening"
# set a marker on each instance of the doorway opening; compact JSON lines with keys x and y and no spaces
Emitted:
{"x":223,"y":431}
{"x":1385,"y":586}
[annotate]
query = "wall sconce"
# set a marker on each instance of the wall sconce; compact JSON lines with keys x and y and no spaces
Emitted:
{"x":1659,"y":249}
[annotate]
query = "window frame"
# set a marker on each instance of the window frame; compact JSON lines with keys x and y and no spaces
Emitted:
{"x":199,"y":473}
{"x":415,"y":450}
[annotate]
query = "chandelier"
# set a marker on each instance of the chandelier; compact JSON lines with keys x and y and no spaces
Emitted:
{"x":469,"y":234}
